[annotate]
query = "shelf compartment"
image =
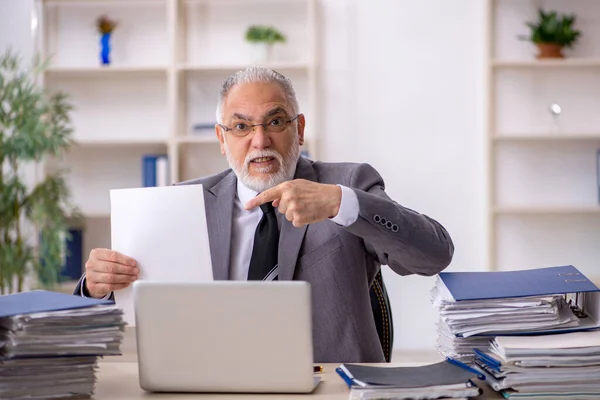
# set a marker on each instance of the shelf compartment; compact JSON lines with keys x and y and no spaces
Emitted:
{"x":116,"y":107}
{"x":71,"y":38}
{"x":509,"y":23}
{"x":93,"y":172}
{"x":523,"y":99}
{"x":555,"y":174}
{"x":210,"y":27}
{"x":534,"y":241}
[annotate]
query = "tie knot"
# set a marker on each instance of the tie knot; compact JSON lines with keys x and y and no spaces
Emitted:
{"x":267,"y":207}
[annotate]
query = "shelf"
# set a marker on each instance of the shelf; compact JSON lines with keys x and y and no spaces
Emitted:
{"x":545,"y":138}
{"x":102,"y":71}
{"x":287,"y":67}
{"x":116,"y":142}
{"x":560,"y":63}
{"x":102,"y":2}
{"x":96,"y":215}
{"x":192,"y":139}
{"x":549,"y":210}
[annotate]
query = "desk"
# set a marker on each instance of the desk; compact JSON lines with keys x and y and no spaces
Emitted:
{"x":119,"y":381}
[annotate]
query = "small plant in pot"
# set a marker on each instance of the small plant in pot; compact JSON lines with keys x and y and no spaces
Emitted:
{"x":551,"y":33}
{"x":263,"y":38}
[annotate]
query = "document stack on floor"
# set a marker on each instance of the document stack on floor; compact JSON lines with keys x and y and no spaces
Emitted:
{"x":474,"y":307}
{"x":445,"y":379}
{"x":50,"y":342}
{"x":557,"y":366}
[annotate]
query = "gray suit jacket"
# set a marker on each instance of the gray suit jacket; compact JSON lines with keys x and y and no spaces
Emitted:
{"x":339,"y":263}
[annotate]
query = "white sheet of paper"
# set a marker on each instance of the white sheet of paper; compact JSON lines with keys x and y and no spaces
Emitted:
{"x":164,"y":229}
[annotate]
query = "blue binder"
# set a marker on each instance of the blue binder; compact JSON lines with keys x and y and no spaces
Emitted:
{"x":506,"y":284}
{"x":44,"y":301}
{"x":525,"y":283}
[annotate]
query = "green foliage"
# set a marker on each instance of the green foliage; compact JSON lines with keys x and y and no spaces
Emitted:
{"x":34,"y":125}
{"x":552,"y":28}
{"x":264,"y":34}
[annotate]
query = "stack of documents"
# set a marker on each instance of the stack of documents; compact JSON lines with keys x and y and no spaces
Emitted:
{"x":445,"y":379}
{"x":50,"y":342}
{"x":563,"y":365}
{"x":474,"y":307}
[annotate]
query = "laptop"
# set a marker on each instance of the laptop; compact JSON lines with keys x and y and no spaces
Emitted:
{"x":224,"y":336}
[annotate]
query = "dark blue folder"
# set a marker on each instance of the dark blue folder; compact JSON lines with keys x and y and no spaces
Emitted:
{"x":522,"y":283}
{"x":43,"y":301}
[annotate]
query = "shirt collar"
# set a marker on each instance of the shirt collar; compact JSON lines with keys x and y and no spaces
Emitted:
{"x":244,"y":193}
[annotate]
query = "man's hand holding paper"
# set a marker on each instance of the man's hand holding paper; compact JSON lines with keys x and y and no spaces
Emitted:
{"x":108,"y":270}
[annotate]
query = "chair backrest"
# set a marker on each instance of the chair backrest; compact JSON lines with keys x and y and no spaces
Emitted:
{"x":382,"y":311}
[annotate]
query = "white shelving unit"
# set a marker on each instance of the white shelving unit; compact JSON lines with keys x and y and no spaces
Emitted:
{"x":169,"y":58}
{"x":543,"y":205}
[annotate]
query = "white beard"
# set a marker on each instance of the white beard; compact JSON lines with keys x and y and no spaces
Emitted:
{"x":267,"y":180}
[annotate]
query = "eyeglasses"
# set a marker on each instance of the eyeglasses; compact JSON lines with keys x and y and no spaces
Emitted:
{"x":275,"y":125}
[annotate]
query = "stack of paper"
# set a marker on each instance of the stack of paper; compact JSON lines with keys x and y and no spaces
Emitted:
{"x":50,"y":342}
{"x":440,"y":380}
{"x":474,"y":307}
{"x":543,"y":367}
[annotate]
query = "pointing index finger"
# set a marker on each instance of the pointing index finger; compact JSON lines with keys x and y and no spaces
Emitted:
{"x":264,"y":197}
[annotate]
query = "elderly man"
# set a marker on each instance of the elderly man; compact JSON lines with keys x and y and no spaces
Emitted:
{"x":276,"y":215}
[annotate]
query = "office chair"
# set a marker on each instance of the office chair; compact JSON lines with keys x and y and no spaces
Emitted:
{"x":382,"y":311}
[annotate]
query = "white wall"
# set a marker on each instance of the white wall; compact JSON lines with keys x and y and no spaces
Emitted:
{"x":404,"y":90}
{"x":15,"y":27}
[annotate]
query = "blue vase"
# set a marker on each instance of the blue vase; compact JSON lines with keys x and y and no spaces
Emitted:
{"x":105,"y":48}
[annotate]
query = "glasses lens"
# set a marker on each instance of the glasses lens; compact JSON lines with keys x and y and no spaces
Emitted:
{"x":276,"y":125}
{"x":241,"y":129}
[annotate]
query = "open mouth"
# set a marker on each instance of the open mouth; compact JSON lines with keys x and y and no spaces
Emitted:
{"x":262,"y":160}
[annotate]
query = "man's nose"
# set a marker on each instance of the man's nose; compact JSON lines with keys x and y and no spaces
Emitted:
{"x":260,"y":138}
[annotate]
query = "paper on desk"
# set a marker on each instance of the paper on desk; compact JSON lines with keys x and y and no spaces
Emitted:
{"x":164,"y":229}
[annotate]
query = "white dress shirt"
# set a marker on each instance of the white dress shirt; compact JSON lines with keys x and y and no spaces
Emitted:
{"x":246,"y":221}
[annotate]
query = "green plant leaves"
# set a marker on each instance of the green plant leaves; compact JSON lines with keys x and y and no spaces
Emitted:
{"x":264,"y":34}
{"x":551,"y":27}
{"x":33,"y":125}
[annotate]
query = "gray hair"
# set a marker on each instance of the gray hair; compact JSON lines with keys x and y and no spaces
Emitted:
{"x":252,"y":75}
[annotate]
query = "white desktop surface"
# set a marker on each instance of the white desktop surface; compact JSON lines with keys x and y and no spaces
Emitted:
{"x":119,"y":381}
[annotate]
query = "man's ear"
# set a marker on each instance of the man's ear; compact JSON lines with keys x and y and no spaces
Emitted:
{"x":221,"y":137}
{"x":301,"y":125}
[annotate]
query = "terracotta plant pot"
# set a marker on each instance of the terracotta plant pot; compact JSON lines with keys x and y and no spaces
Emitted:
{"x":549,"y":50}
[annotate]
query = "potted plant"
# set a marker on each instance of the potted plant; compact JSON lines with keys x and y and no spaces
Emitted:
{"x":105,"y":27}
{"x":263,"y":38}
{"x":551,"y":33}
{"x":34,"y":125}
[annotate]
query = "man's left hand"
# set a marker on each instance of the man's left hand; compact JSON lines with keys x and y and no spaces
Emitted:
{"x":302,"y":202}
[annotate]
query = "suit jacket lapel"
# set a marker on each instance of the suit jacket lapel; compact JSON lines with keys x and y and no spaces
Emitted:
{"x":290,"y":239}
{"x":219,"y":216}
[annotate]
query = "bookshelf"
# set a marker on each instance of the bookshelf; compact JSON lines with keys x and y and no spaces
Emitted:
{"x":168,"y":60}
{"x":543,"y":194}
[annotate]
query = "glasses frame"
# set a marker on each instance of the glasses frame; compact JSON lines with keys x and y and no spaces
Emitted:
{"x":253,"y":126}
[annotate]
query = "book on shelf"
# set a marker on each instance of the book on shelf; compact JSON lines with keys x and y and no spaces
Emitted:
{"x":155,"y":170}
{"x":204,"y":128}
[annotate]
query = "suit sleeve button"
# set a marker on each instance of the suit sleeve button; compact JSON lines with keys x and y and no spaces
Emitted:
{"x":377,"y":218}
